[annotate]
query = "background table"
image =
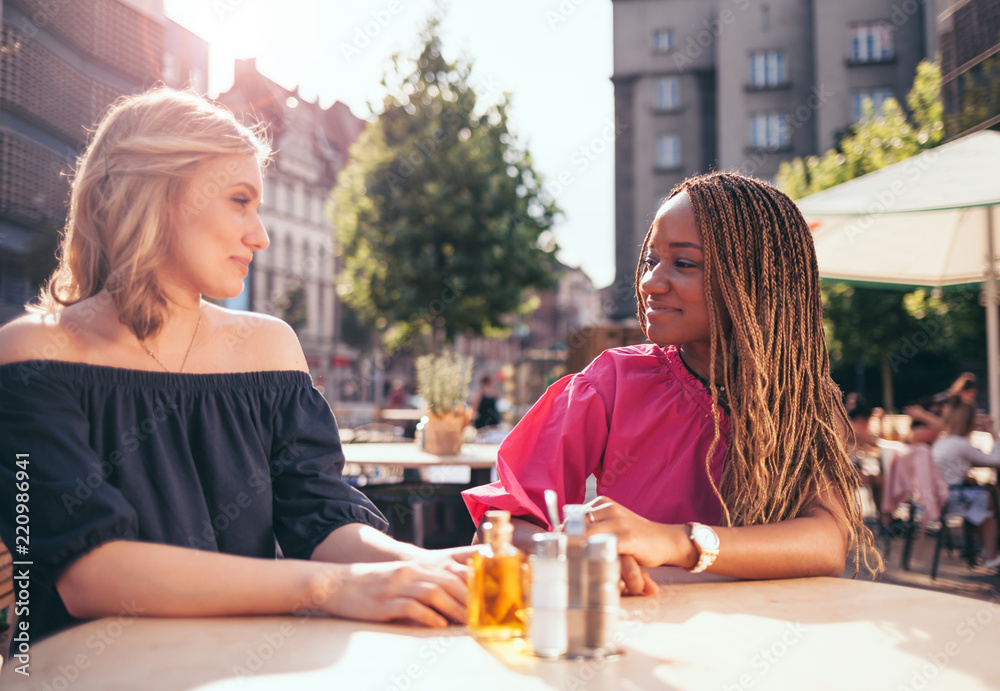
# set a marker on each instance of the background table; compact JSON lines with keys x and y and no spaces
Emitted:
{"x":481,"y":458}
{"x":816,"y":633}
{"x":426,"y":513}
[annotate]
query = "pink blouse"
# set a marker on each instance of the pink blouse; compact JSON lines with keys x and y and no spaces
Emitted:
{"x":637,"y":419}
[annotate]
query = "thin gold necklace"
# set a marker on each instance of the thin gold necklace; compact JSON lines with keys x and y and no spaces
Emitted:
{"x":186,"y":355}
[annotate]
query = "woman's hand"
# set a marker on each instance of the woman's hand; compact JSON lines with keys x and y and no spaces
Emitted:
{"x":635,"y":579}
{"x":648,"y":542}
{"x":391,"y":591}
{"x":452,"y":559}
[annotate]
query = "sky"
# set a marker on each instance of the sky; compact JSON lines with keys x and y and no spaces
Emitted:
{"x":553,"y":56}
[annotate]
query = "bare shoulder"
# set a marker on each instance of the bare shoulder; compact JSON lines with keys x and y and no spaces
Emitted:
{"x":36,"y":336}
{"x":258,"y":341}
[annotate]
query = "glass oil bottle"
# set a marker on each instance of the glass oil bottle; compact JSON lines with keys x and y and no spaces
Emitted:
{"x":496,"y":582}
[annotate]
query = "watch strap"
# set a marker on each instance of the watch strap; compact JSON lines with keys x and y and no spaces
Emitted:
{"x":705,"y":556}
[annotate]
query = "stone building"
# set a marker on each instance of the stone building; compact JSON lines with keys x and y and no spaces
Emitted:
{"x":743,"y":85}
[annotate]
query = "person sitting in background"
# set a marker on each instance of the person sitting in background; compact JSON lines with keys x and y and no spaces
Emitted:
{"x":174,"y":445}
{"x":485,"y":405}
{"x":911,"y":478}
{"x":955,"y":455}
{"x":964,"y":387}
{"x":398,"y":396}
{"x":929,"y":413}
{"x":866,"y":455}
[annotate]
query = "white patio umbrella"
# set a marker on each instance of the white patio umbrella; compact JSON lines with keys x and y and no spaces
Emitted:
{"x":926,"y":221}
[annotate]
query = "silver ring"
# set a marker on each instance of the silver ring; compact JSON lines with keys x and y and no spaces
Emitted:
{"x":590,"y":515}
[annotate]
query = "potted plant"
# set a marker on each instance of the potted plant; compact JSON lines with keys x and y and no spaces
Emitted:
{"x":443,"y":383}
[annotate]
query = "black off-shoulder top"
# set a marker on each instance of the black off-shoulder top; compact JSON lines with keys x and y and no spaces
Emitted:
{"x":231,"y":463}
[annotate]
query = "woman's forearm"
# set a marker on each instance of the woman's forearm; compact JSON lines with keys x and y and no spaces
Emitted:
{"x":163,"y":580}
{"x":356,"y":542}
{"x":813,"y":544}
{"x":806,"y":546}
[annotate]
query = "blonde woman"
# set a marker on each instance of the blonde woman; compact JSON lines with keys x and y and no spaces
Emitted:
{"x":167,"y":444}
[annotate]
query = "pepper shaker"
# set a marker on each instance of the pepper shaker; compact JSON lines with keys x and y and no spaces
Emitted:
{"x":603,"y":597}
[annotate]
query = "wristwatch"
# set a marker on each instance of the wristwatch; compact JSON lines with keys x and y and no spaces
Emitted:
{"x":706,"y":541}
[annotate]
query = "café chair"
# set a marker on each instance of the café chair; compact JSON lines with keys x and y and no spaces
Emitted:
{"x":913,"y":497}
{"x":944,"y":539}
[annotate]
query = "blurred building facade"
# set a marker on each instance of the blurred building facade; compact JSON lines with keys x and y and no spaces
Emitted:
{"x":61,"y":64}
{"x":969,"y":40}
{"x":743,"y":85}
{"x":294,"y":278}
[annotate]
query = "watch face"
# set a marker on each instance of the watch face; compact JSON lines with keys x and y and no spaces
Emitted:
{"x":705,"y":537}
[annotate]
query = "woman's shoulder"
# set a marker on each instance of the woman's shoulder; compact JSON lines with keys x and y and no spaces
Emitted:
{"x":258,"y":341}
{"x":37,"y":336}
{"x":642,"y":360}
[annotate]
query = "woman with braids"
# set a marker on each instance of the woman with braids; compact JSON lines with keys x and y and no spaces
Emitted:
{"x":171,"y":446}
{"x":728,"y":418}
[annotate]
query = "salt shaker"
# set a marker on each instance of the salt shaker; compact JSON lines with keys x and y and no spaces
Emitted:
{"x":549,"y":591}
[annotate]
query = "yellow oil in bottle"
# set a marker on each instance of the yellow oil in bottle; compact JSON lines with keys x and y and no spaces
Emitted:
{"x":496,"y":583}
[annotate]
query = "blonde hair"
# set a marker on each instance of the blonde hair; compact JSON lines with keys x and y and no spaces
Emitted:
{"x":125,"y":198}
{"x":786,"y":414}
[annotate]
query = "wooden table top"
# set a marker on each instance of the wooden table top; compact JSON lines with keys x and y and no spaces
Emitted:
{"x":815,"y":633}
{"x":408,"y":455}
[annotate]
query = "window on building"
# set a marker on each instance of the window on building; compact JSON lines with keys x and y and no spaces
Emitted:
{"x":768,"y":68}
{"x":299,"y":201}
{"x":196,"y":79}
{"x":668,"y":151}
{"x":877,"y":98}
{"x":870,"y":42}
{"x":279,"y":201}
{"x":308,"y":268}
{"x":171,"y":70}
{"x":290,"y":268}
{"x":663,"y":40}
{"x":667,"y":96}
{"x":769,"y":131}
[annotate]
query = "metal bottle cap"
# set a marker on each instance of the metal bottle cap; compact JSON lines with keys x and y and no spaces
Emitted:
{"x":549,"y":545}
{"x":603,"y":547}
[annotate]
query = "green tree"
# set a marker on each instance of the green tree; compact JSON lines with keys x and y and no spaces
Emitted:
{"x":864,"y":325}
{"x":439,"y":216}
{"x":878,"y":140}
{"x":867,"y":325}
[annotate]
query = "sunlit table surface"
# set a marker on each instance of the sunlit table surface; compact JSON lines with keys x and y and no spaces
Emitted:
{"x":817,"y":633}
